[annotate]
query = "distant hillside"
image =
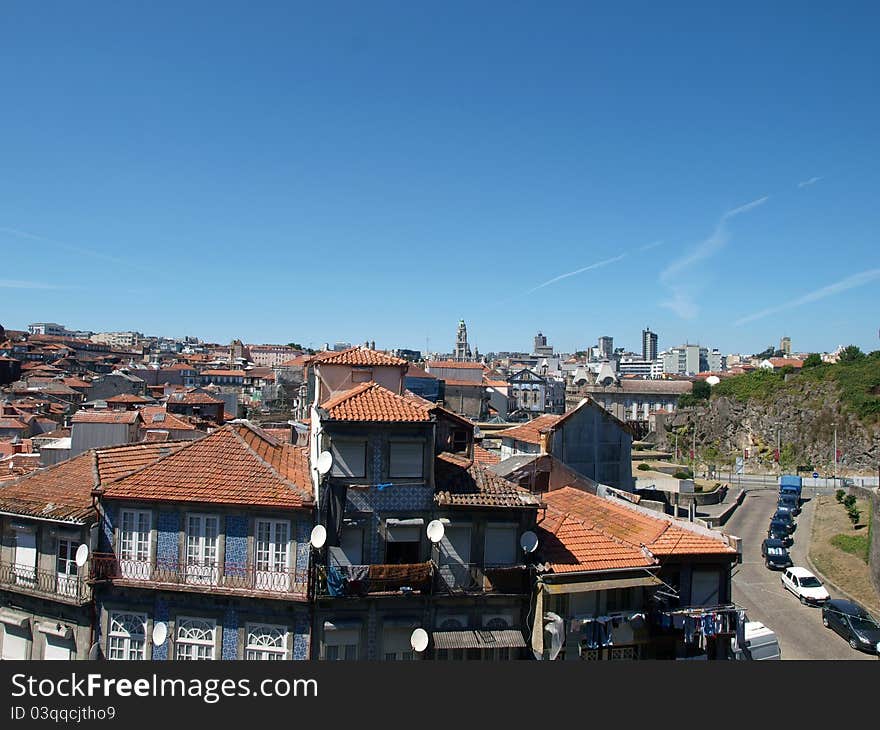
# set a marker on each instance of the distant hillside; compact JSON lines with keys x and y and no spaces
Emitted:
{"x":799,"y":408}
{"x":857,"y":379}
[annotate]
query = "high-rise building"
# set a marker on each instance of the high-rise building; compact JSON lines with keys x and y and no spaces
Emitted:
{"x":462,"y":351}
{"x":649,"y":344}
{"x":785,"y":346}
{"x":606,"y":347}
{"x":542,"y":349}
{"x":681,"y":360}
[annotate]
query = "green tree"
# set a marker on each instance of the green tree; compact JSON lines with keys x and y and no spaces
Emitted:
{"x":814,"y":359}
{"x":851,"y":354}
{"x":701,"y":390}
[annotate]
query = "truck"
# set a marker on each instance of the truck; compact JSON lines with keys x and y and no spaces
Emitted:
{"x":791,"y":484}
{"x":760,"y":643}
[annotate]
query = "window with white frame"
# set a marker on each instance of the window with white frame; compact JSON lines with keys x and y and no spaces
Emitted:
{"x":202,"y":532}
{"x":349,"y":458}
{"x":65,"y":566}
{"x":127,"y":636}
{"x":265,"y":642}
{"x":196,"y":639}
{"x":407,"y":459}
{"x":272,"y":555}
{"x":134,"y":544}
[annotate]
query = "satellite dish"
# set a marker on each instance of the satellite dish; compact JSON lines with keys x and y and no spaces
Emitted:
{"x":528,"y":541}
{"x":419,"y":640}
{"x":94,"y":651}
{"x":324,"y":463}
{"x":435,"y":531}
{"x":82,"y":555}
{"x":160,"y":633}
{"x":319,"y":536}
{"x":713,"y":380}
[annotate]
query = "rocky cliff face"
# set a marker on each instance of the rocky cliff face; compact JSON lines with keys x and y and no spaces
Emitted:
{"x":804,"y":419}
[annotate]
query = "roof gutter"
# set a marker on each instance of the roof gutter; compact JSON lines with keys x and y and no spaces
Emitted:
{"x":43,"y":519}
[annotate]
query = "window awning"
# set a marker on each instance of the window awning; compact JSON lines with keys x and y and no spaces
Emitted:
{"x":601,"y":585}
{"x":13,"y":618}
{"x":54,"y":629}
{"x":479,"y":639}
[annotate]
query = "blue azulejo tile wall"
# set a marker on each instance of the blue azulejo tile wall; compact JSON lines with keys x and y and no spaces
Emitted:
{"x":167,"y":530}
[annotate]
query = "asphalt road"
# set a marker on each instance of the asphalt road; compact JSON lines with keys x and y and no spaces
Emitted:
{"x":759,"y":590}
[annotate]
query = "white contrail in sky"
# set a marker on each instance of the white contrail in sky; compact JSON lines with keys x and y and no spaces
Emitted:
{"x":710,"y":245}
{"x":14,"y":284}
{"x":811,"y":181}
{"x":68,"y":247}
{"x":597,"y":265}
{"x":850,"y":282}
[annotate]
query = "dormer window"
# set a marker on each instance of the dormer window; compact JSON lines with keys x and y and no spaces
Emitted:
{"x":459,"y":440}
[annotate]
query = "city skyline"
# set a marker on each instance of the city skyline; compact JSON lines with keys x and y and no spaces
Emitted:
{"x":291,"y":179}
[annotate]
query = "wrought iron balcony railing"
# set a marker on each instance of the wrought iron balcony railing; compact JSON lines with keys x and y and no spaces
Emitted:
{"x":46,"y":583}
{"x":246,"y":579}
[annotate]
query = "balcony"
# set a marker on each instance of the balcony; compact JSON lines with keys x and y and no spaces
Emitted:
{"x":288,"y":584}
{"x":466,"y":578}
{"x":45,"y":583}
{"x":363,"y":580}
{"x":420,"y":578}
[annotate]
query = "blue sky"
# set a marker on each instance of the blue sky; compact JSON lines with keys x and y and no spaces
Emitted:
{"x":352,"y":171}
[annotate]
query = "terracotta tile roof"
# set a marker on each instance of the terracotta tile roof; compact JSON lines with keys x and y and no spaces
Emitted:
{"x":64,"y":491}
{"x":190,"y":398}
{"x":157,"y":417}
{"x":13,"y":423}
{"x":781,"y":362}
{"x":463,"y":483}
{"x":662,"y":537}
{"x":530,"y":432}
{"x":568,"y":544}
{"x":127,"y":398}
{"x":281,"y":435}
{"x":298,"y":361}
{"x":484,"y":456}
{"x":359,"y":357}
{"x":455,"y":364}
{"x":372,"y":402}
{"x":156,"y":436}
{"x":103,"y":416}
{"x":416,"y":372}
{"x":236,"y":464}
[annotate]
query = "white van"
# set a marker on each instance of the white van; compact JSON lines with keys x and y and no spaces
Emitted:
{"x":761,"y":643}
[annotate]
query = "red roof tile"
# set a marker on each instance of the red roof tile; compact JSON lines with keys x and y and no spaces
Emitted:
{"x":662,"y":537}
{"x":530,"y":432}
{"x":460,"y":482}
{"x":359,"y":356}
{"x":484,"y":456}
{"x":372,"y":402}
{"x":157,"y":417}
{"x":236,"y":464}
{"x":102,"y":416}
{"x":64,"y":491}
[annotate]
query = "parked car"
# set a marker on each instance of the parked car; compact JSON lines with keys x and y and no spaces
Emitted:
{"x":779,"y":531}
{"x":760,"y":643}
{"x":853,"y":623}
{"x":785,"y":517}
{"x":783,"y":507}
{"x":791,"y":484}
{"x":774,"y":553}
{"x":789,"y":501}
{"x":805,"y":586}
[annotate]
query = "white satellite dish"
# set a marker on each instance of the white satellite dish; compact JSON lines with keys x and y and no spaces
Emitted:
{"x":419,"y":640}
{"x":435,"y":531}
{"x":160,"y":633}
{"x":528,"y":541}
{"x":713,"y":380}
{"x":319,"y":536}
{"x":94,"y":651}
{"x":324,"y":463}
{"x":82,"y":555}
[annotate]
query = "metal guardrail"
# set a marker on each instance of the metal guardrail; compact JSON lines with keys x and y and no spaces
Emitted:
{"x":228,"y":578}
{"x":45,"y":583}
